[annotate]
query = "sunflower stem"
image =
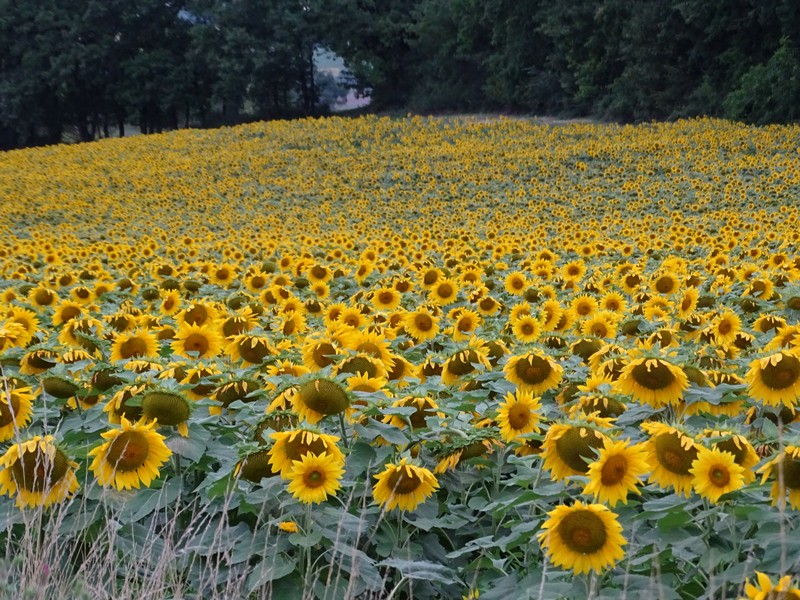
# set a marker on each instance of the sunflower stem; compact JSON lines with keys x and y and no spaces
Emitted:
{"x":344,"y":430}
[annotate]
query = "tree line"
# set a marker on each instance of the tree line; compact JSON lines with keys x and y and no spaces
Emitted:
{"x":93,"y":67}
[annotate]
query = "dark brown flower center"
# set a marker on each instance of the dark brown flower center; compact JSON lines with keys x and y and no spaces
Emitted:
{"x":614,"y":470}
{"x":324,"y":396}
{"x":582,"y":531}
{"x":653,"y":375}
{"x":782,"y":375}
{"x":37,"y":472}
{"x":169,"y":409}
{"x":128,"y":451}
{"x":519,"y":415}
{"x":672,"y":456}
{"x":134,"y":346}
{"x":197,"y":342}
{"x":400,"y":482}
{"x":533,"y":369}
{"x":423,"y":322}
{"x":577,"y":450}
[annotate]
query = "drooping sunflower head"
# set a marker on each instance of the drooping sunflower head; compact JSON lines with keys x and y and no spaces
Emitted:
{"x":465,"y":362}
{"x":37,"y":361}
{"x":134,"y":344}
{"x":784,"y":469}
{"x":568,"y":448}
{"x":320,"y":397}
{"x":168,"y":408}
{"x":423,"y":406}
{"x":775,"y":379}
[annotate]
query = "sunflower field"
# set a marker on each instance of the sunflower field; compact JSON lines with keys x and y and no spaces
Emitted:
{"x":406,"y":358}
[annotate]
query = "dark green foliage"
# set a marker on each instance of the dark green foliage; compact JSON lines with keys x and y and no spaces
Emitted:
{"x":84,"y":67}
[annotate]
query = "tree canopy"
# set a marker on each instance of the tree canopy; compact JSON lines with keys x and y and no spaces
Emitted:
{"x":93,"y":66}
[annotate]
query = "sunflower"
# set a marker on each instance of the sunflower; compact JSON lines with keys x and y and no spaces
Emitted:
{"x":314,"y":477}
{"x":614,"y":302}
{"x":518,"y":415}
{"x":131,"y":456}
{"x":785,"y":470}
{"x":237,"y":324}
{"x":254,"y":467}
{"x":568,"y":448}
{"x":38,"y":471}
{"x":743,"y":452}
{"x":550,"y":314}
{"x":466,"y":322}
{"x":670,"y":453}
{"x":37,"y":361}
{"x":198,"y":314}
{"x":421,"y":325}
{"x":775,"y":379}
{"x":687,"y":304}
{"x":319,"y":398}
{"x":652,"y":380}
{"x":16,"y":408}
{"x":29,"y":322}
{"x":78,"y":333}
{"x":424,"y":407}
{"x":168,"y":408}
{"x":170,"y":302}
{"x":714,"y":473}
{"x":444,"y":292}
{"x":41,"y":297}
{"x":533,"y":372}
{"x":237,"y":390}
{"x":583,"y":306}
{"x":766,"y":323}
{"x":764,"y":589}
{"x":666,"y":283}
{"x":10,"y":334}
{"x":373,"y":344}
{"x":65,"y":311}
{"x":487,"y":306}
{"x":200,"y":341}
{"x":616,"y":472}
{"x":386,"y":298}
{"x":527,"y":329}
{"x":120,"y":405}
{"x":319,"y":353}
{"x":466,"y":362}
{"x":136,"y":344}
{"x":293,"y":445}
{"x":601,"y":324}
{"x":515,"y":283}
{"x":583,"y":537}
{"x":249,"y":349}
{"x":724,"y":328}
{"x":404,"y":486}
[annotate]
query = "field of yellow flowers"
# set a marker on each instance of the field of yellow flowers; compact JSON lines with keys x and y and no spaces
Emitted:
{"x":403,"y":358}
